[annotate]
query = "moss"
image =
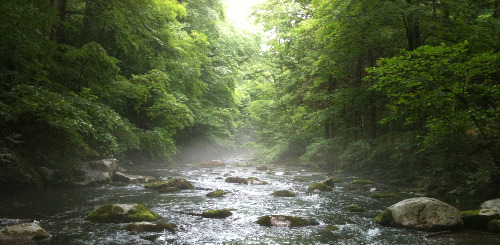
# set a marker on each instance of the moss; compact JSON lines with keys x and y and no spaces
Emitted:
{"x":321,"y":187}
{"x":284,"y":193}
{"x":385,"y":195}
{"x":294,"y":221}
{"x":355,"y":208}
{"x":384,"y":218}
{"x":331,"y":228}
{"x":469,"y":213}
{"x":362,"y":182}
{"x":216,"y":193}
{"x":237,"y":180}
{"x":113,"y":213}
{"x":141,"y":213}
{"x":157,"y":185}
{"x":494,"y":226}
{"x":217,"y":213}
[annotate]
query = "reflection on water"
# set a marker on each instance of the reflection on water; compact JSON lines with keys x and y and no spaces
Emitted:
{"x":61,"y":211}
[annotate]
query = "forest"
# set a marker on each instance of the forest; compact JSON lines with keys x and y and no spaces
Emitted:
{"x":409,"y":89}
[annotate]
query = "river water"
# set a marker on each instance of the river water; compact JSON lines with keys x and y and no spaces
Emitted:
{"x":61,"y":211}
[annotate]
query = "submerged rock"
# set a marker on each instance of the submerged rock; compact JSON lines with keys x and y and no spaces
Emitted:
{"x":20,"y":233}
{"x":320,"y":186}
{"x":285,"y":221}
{"x":284,"y":193}
{"x":355,"y":208}
{"x":494,"y":226}
{"x":180,"y":183}
{"x":236,"y":180}
{"x":145,"y":226}
{"x":421,"y":213}
{"x":121,"y":213}
{"x":255,"y":181}
{"x":328,"y":181}
{"x":213,"y":163}
{"x":217,"y":213}
{"x":216,"y":193}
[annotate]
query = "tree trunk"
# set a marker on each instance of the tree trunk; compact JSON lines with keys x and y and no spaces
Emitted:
{"x":329,"y":126}
{"x":57,"y":33}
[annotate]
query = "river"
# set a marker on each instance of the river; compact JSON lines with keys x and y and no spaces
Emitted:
{"x":61,"y":211}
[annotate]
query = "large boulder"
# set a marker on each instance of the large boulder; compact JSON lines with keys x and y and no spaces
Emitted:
{"x":93,"y":173}
{"x":285,"y":221}
{"x":180,"y":183}
{"x":492,"y":205}
{"x":22,"y":233}
{"x":421,"y":213}
{"x":122,"y":213}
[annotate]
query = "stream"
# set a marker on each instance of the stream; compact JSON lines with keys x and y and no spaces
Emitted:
{"x":61,"y":211}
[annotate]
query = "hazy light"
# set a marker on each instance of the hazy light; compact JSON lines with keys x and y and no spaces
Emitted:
{"x":238,"y":12}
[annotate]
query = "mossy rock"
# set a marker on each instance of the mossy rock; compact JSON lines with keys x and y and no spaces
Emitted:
{"x":384,"y":218}
{"x":22,"y":233}
{"x":355,"y":208}
{"x":121,"y":213}
{"x":320,"y":187}
{"x":385,"y":195}
{"x":362,"y":182}
{"x":216,"y":193}
{"x":255,"y":181}
{"x":217,"y":213}
{"x":494,"y":226}
{"x":478,"y":219}
{"x":284,"y":193}
{"x":180,"y":183}
{"x":145,"y":226}
{"x":332,"y":228}
{"x":285,"y":221}
{"x":236,"y":180}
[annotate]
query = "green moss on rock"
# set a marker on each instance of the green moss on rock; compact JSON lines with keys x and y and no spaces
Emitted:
{"x":355,"y":208}
{"x":216,"y":193}
{"x":362,"y":182}
{"x":120,"y":213}
{"x":331,"y":228}
{"x":217,"y":213}
{"x":494,"y":226}
{"x":384,"y":218}
{"x":284,"y":193}
{"x":180,"y":183}
{"x":469,"y":213}
{"x":478,"y":219}
{"x":321,"y":187}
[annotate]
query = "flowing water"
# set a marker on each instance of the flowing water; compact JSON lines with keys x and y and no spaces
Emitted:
{"x":61,"y":211}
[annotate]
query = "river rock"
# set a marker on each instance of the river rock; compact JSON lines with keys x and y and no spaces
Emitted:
{"x":236,"y":180}
{"x":180,"y":183}
{"x":145,"y":226}
{"x":217,"y":213}
{"x":492,"y":205}
{"x":213,"y":163}
{"x":421,"y":213}
{"x":255,"y":181}
{"x":95,"y":172}
{"x":284,"y":193}
{"x":320,"y":186}
{"x":129,"y":178}
{"x":328,"y":181}
{"x":478,"y":219}
{"x":122,"y":213}
{"x":285,"y":221}
{"x":20,"y":233}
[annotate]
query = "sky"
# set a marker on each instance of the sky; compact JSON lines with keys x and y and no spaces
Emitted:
{"x":238,"y":12}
